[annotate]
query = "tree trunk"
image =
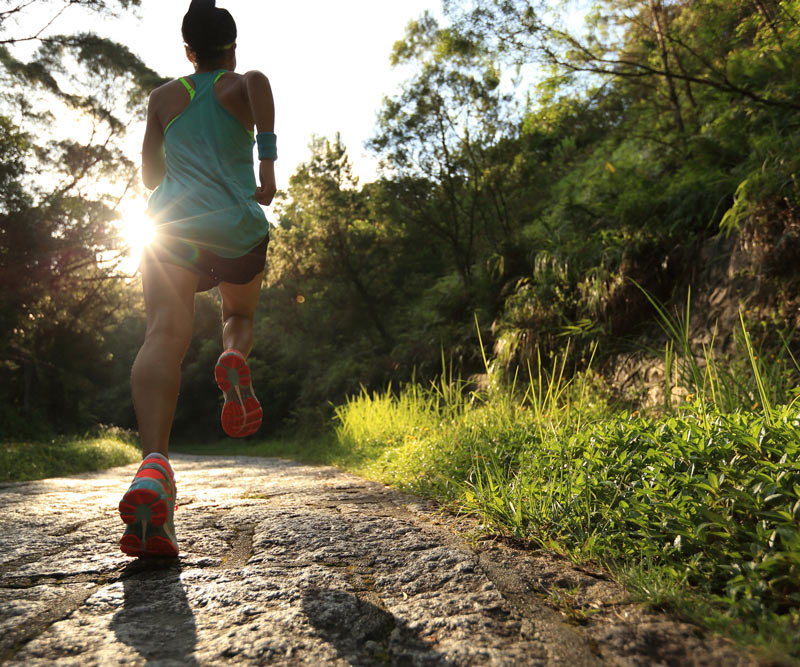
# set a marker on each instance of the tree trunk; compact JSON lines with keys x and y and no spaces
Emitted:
{"x":686,"y":83}
{"x":655,"y":10}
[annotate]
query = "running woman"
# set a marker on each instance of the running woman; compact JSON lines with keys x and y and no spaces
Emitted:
{"x":211,"y":231}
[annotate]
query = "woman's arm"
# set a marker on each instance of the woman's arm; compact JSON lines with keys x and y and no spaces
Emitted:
{"x":262,"y":108}
{"x":153,"y":167}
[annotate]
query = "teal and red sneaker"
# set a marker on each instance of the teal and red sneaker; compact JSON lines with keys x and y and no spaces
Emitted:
{"x":241,"y":413}
{"x":148,"y":507}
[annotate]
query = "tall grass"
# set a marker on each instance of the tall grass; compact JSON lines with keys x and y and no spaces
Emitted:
{"x":747,"y":379}
{"x":697,"y":507}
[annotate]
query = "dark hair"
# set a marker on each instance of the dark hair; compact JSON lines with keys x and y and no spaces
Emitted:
{"x":207,"y":29}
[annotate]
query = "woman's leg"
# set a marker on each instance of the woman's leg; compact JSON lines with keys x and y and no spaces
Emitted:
{"x":241,"y":412}
{"x":238,"y":312}
{"x":156,"y":374}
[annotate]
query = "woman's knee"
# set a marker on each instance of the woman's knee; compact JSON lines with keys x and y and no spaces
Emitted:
{"x":240,"y":300}
{"x":175,"y":336}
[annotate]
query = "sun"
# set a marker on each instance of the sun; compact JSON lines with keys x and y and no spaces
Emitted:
{"x":137,"y":230}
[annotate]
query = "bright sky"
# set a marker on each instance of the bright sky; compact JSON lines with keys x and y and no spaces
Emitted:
{"x":328,"y":62}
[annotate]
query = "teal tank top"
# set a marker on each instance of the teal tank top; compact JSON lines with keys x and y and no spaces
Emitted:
{"x":207,"y":197}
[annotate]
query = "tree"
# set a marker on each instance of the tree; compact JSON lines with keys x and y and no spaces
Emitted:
{"x":332,"y":283}
{"x":702,"y":44}
{"x":63,"y":113}
{"x":445,"y":129}
{"x":327,"y":237}
{"x":638,"y":133}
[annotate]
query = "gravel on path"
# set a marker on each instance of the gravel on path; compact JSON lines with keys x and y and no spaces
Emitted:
{"x":283,"y":563}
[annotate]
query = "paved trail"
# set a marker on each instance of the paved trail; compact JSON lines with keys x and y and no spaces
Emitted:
{"x":283,"y":563}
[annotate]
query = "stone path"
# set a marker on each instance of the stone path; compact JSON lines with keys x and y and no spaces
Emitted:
{"x":283,"y":563}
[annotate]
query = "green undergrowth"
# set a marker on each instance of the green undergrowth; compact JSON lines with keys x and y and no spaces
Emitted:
{"x":695,"y":507}
{"x":24,"y":461}
{"x":697,"y":511}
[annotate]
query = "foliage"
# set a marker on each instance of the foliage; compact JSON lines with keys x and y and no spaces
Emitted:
{"x":63,"y":113}
{"x":23,"y":461}
{"x":647,"y":124}
{"x":451,"y":126}
{"x":533,"y":174}
{"x":353,"y":297}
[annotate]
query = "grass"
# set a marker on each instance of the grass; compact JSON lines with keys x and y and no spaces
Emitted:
{"x":696,"y":508}
{"x":25,"y":461}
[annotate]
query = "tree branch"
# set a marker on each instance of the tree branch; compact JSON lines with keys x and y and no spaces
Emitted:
{"x":644,"y":70}
{"x":24,"y":5}
{"x":37,"y":36}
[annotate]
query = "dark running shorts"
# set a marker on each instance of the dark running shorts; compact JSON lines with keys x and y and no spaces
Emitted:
{"x":211,"y":268}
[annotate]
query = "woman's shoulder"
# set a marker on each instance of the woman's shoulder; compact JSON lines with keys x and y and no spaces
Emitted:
{"x":169,"y":88}
{"x":244,"y":77}
{"x":254,"y":74}
{"x":241,"y":84}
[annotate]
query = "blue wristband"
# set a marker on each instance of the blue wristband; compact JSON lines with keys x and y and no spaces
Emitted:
{"x":267,"y":146}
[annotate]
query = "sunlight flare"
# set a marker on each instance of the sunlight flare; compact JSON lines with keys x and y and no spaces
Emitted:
{"x":137,"y":230}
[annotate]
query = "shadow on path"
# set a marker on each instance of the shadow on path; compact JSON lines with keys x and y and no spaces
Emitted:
{"x":364,"y":633}
{"x":156,"y":619}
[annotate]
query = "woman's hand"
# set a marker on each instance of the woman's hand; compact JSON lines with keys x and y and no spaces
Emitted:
{"x":262,"y":109}
{"x":266,"y":191}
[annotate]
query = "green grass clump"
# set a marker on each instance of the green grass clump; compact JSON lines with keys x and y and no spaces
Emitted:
{"x":24,"y":461}
{"x":711,"y":503}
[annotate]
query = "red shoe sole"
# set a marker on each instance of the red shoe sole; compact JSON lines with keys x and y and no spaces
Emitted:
{"x":136,"y":497}
{"x":155,"y":546}
{"x":236,"y":362}
{"x":232,"y":418}
{"x":252,"y":418}
{"x":237,"y":421}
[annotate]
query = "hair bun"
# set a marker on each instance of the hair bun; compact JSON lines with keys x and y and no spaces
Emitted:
{"x":208,"y":30}
{"x":202,"y":5}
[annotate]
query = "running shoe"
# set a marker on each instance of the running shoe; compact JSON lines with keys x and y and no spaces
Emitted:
{"x":148,"y":507}
{"x":241,"y":413}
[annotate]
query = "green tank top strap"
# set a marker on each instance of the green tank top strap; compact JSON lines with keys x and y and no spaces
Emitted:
{"x":192,"y":92}
{"x":188,"y":87}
